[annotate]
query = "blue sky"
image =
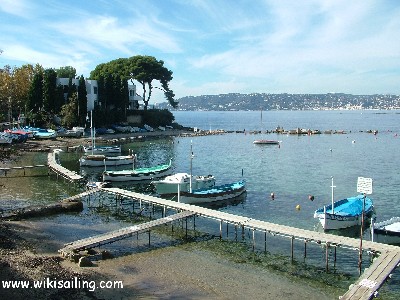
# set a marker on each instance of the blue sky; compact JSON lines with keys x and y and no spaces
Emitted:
{"x":217,"y":46}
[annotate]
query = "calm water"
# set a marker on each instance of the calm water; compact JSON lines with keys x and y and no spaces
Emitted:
{"x":301,"y":166}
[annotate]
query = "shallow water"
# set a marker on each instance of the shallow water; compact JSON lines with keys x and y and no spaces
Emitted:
{"x":301,"y":166}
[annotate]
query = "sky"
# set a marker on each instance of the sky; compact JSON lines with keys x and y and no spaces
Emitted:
{"x":217,"y":46}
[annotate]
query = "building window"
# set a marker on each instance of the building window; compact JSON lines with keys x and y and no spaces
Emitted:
{"x":95,"y":90}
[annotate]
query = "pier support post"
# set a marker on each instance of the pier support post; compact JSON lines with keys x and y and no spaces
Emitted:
{"x":265,"y":241}
{"x":242,"y":232}
{"x":235,"y":232}
{"x":220,"y":230}
{"x":305,"y":248}
{"x":334,"y":257}
{"x":327,"y":256}
{"x":194,"y":222}
{"x":292,"y":246}
{"x":149,"y":237}
{"x":186,"y":220}
{"x":227,"y":229}
{"x":254,"y":239}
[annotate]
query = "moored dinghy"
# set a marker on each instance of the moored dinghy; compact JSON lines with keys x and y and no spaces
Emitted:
{"x":216,"y":193}
{"x":387,"y":232}
{"x":169,"y":185}
{"x":183,"y":181}
{"x":266,"y":142}
{"x":99,"y":160}
{"x":344,"y":213}
{"x":139,"y":174}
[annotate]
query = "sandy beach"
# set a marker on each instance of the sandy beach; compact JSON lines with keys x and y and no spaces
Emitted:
{"x":28,"y":251}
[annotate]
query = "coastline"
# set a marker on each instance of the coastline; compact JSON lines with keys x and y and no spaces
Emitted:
{"x":29,"y":252}
{"x":172,"y":272}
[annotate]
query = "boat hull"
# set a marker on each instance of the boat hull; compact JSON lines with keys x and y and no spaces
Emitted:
{"x":141,"y":174}
{"x":102,"y":149}
{"x":218,"y":193}
{"x":266,"y":142}
{"x":169,"y":186}
{"x":387,"y":232}
{"x":347,"y":213}
{"x":108,"y":161}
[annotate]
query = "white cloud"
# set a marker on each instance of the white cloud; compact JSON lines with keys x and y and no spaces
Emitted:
{"x":19,"y":8}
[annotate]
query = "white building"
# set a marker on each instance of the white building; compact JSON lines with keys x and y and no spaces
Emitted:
{"x":92,"y":91}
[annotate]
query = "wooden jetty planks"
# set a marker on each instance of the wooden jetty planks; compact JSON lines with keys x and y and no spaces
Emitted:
{"x":312,"y":236}
{"x":119,"y":234}
{"x":60,"y":170}
{"x":373,"y":277}
{"x":376,"y":274}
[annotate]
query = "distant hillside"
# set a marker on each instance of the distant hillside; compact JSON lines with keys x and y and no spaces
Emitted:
{"x":285,"y":102}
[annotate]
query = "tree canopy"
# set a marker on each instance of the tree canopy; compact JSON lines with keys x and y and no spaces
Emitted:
{"x":66,"y":72}
{"x":143,"y":69}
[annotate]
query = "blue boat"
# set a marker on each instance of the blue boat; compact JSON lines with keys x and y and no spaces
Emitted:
{"x":345,"y":213}
{"x":215,"y":193}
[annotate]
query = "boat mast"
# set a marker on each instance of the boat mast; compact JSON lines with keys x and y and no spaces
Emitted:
{"x":333,"y":195}
{"x":191,"y":166}
{"x":91,"y":129}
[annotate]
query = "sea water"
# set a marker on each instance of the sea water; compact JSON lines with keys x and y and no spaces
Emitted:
{"x":302,"y":166}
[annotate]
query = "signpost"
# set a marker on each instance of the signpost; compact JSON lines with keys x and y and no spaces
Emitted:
{"x":364,"y":186}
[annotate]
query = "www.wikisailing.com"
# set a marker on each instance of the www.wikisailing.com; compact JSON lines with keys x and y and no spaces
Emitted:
{"x":75,"y":283}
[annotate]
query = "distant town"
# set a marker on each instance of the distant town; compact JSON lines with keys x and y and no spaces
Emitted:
{"x":263,"y":101}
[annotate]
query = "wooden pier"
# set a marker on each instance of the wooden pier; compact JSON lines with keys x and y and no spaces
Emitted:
{"x":119,"y":234}
{"x":24,"y":168}
{"x":374,"y":277}
{"x":365,"y":288}
{"x":60,"y":170}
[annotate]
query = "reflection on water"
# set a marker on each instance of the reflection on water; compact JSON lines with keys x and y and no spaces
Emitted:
{"x":302,"y":166}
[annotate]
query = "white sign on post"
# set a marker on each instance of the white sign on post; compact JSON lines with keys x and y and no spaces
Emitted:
{"x":364,"y":185}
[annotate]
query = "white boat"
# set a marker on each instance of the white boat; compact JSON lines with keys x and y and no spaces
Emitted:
{"x":140,"y":174}
{"x":102,"y":149}
{"x":99,"y":160}
{"x":93,"y":149}
{"x":42,"y":133}
{"x":387,"y":232}
{"x":216,"y":193}
{"x":344,"y":213}
{"x":266,"y":142}
{"x":169,"y":185}
{"x":91,"y":185}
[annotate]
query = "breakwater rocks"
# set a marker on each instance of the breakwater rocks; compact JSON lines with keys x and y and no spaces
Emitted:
{"x":66,"y":205}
